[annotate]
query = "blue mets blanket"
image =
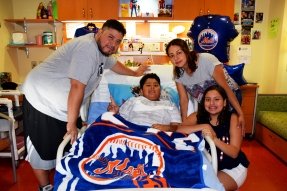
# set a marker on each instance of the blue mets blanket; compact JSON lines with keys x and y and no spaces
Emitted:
{"x":114,"y":153}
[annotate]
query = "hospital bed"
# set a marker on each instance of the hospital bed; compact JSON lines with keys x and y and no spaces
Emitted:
{"x":119,"y":87}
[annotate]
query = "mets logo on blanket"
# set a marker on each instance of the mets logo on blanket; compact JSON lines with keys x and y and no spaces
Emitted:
{"x":207,"y":39}
{"x":124,"y":157}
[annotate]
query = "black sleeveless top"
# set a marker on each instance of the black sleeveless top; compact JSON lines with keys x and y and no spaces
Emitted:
{"x":224,"y":161}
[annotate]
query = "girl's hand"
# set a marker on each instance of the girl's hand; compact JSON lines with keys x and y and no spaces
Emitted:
{"x":241,"y":124}
{"x":208,"y":131}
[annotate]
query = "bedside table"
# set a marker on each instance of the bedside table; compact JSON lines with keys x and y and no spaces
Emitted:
{"x":249,"y":101}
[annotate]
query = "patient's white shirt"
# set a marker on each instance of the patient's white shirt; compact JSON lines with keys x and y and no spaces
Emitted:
{"x":142,"y":111}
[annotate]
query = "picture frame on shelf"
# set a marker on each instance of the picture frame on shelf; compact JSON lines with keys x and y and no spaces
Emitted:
{"x":145,"y":8}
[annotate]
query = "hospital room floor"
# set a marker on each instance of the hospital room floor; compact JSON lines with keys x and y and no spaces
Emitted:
{"x":266,"y":172}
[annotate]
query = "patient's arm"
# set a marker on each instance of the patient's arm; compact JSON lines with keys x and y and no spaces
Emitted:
{"x":184,"y":127}
{"x":188,"y":129}
{"x":190,"y":126}
{"x":171,"y":127}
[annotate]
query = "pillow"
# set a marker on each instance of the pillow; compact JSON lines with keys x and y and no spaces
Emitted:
{"x":236,"y":73}
{"x":120,"y":92}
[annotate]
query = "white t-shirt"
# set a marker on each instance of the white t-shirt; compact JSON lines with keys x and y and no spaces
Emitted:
{"x":47,"y":86}
{"x":142,"y":111}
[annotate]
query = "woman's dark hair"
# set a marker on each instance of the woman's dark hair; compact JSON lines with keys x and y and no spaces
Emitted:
{"x":136,"y":90}
{"x":114,"y":24}
{"x":191,"y":56}
{"x":203,"y":115}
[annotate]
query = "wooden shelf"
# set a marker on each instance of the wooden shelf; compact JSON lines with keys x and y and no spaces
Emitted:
{"x":24,"y":23}
{"x":145,"y":18}
{"x":32,"y":46}
{"x":137,"y":53}
{"x":26,"y":47}
{"x":32,"y":20}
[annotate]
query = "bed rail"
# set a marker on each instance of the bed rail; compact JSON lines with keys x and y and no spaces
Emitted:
{"x":66,"y":140}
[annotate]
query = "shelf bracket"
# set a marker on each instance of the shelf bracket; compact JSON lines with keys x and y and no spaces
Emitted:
{"x":53,"y":48}
{"x":22,"y":23}
{"x":53,"y":23}
{"x":25,"y":25}
{"x":26,"y":49}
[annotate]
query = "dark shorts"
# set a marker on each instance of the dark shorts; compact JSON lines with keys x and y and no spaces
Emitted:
{"x":45,"y":132}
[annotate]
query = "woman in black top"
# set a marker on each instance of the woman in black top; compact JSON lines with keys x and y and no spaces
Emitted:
{"x":214,"y":119}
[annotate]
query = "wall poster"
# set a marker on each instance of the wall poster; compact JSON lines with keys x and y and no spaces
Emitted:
{"x":259,"y":17}
{"x":247,"y":13}
{"x":256,"y":34}
{"x":247,"y":20}
{"x":145,"y":8}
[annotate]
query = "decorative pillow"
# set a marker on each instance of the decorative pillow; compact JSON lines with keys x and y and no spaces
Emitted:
{"x":236,"y":73}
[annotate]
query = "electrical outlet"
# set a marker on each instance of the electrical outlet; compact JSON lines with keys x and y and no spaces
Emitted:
{"x":33,"y":64}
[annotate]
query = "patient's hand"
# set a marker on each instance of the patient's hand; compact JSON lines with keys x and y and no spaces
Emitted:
{"x":163,"y":127}
{"x":113,"y":107}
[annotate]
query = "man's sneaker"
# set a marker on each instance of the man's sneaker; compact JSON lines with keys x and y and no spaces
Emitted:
{"x":48,"y":187}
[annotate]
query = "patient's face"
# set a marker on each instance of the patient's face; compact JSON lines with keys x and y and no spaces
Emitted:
{"x":151,"y":89}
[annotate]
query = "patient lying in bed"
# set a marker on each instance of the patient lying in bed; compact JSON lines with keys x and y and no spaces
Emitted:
{"x":148,"y":108}
{"x":97,"y":161}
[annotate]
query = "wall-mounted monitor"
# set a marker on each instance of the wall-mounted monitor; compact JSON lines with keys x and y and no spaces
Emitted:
{"x":145,"y":8}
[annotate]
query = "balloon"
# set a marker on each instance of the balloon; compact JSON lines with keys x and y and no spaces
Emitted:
{"x":236,"y":73}
{"x":213,"y":33}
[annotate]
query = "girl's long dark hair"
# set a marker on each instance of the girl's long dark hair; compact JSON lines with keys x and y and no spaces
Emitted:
{"x":191,"y":56}
{"x":203,"y":116}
